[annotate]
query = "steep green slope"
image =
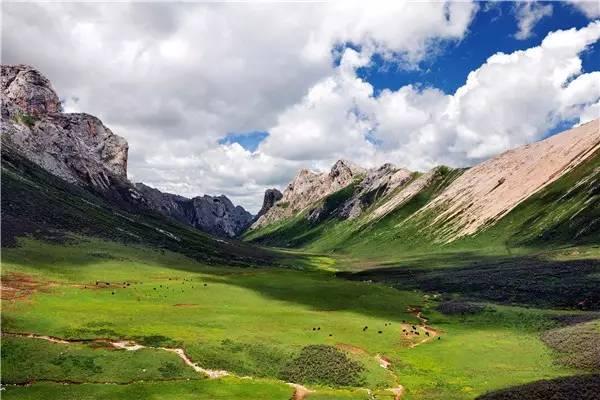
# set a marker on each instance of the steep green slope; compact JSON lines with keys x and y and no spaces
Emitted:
{"x":567,"y":212}
{"x":336,"y":234}
{"x":37,"y":203}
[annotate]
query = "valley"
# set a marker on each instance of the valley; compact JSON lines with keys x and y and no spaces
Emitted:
{"x":252,"y":323}
{"x":352,"y":283}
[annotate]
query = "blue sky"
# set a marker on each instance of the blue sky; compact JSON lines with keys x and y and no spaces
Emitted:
{"x":491,"y":31}
{"x":233,"y":98}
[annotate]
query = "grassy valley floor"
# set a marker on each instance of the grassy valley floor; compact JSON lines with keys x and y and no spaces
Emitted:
{"x":265,"y":327}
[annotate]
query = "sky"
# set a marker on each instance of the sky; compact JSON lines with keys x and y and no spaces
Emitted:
{"x":233,"y":98}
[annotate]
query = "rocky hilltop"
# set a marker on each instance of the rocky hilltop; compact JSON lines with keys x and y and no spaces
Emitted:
{"x":76,"y":147}
{"x":307,"y":188}
{"x":80,"y":149}
{"x":215,"y":215}
{"x":488,"y":191}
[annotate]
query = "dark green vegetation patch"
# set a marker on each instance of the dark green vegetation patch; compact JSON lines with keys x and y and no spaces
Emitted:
{"x":323,"y":365}
{"x":37,"y":203}
{"x":578,"y":345}
{"x":518,"y":280}
{"x":581,"y":387}
{"x":455,"y":307}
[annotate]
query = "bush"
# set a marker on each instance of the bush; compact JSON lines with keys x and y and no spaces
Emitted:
{"x":26,"y":119}
{"x":169,"y":370}
{"x":455,"y":307}
{"x":579,"y":344}
{"x":323,"y":365}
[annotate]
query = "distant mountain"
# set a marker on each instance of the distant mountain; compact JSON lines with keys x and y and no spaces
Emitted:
{"x":80,"y":149}
{"x":544,"y":191}
{"x":215,"y":215}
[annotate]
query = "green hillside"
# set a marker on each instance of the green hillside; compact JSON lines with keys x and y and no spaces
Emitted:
{"x":39,"y":204}
{"x":567,"y":212}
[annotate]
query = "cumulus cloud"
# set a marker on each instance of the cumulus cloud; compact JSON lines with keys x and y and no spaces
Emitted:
{"x":510,"y":100}
{"x":528,"y":14}
{"x":175,"y":79}
{"x":591,"y":8}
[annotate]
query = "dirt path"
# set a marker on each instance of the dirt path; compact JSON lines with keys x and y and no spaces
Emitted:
{"x":429,"y":331}
{"x":128,"y":345}
{"x":397,"y":391}
{"x":300,"y":392}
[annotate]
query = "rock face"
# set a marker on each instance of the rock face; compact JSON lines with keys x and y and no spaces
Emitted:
{"x":488,"y":191}
{"x":215,"y":215}
{"x":309,"y":187}
{"x":75,"y":147}
{"x":455,"y":202}
{"x":271,"y":197}
{"x":81,"y":150}
{"x":377,"y":183}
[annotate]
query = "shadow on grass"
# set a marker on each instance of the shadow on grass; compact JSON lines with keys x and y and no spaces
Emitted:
{"x":580,"y":387}
{"x":528,"y":281}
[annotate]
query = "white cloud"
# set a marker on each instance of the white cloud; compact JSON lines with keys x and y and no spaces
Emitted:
{"x":528,"y":14}
{"x":510,"y":100}
{"x":174,"y":78}
{"x":591,"y":8}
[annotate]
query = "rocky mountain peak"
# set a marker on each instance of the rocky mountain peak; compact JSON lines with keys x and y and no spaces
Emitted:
{"x":345,"y":168}
{"x":271,"y":197}
{"x":74,"y":146}
{"x":216,"y":215}
{"x":26,"y":89}
{"x":308,"y":187}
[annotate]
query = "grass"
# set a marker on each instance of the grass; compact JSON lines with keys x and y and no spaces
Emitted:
{"x":250,"y":321}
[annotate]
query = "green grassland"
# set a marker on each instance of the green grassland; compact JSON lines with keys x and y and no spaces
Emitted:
{"x":252,"y":322}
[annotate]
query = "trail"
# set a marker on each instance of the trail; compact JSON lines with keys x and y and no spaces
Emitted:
{"x":397,"y":391}
{"x":423,"y":325}
{"x":128,"y":345}
{"x":300,"y":392}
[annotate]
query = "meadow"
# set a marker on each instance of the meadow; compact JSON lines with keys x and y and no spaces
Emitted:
{"x":264,"y":326}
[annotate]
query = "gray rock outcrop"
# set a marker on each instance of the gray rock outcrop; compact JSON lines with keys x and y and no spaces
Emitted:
{"x":309,"y":187}
{"x":272,"y":196}
{"x":76,"y":147}
{"x":215,"y":215}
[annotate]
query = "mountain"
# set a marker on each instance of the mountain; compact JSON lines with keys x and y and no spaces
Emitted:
{"x":76,"y":147}
{"x":545,"y":191}
{"x":80,"y":149}
{"x":215,"y":215}
{"x":307,"y":188}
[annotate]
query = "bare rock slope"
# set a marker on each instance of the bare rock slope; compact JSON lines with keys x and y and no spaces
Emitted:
{"x":76,"y":147}
{"x":488,"y":191}
{"x":449,"y":203}
{"x":80,"y":149}
{"x":215,"y":215}
{"x":309,"y":187}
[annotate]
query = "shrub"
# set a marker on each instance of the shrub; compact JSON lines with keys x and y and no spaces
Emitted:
{"x":579,"y":387}
{"x":26,"y":119}
{"x":455,"y":307}
{"x":323,"y":365}
{"x":169,"y":370}
{"x":579,"y":344}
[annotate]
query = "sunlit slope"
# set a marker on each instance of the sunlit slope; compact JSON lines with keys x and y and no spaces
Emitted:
{"x":565,"y":212}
